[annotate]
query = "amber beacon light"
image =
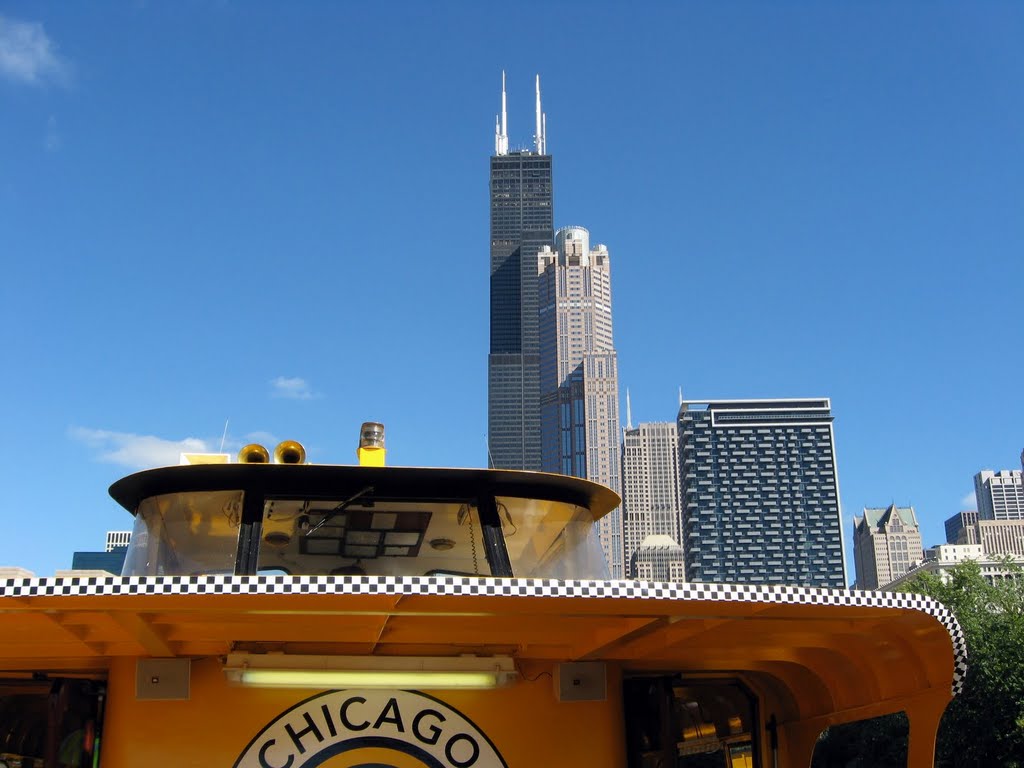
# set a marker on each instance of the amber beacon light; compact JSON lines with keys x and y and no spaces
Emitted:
{"x":371,"y":444}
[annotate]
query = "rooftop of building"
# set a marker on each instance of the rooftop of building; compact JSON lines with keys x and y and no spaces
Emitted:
{"x":660,"y":541}
{"x":762,"y":404}
{"x":876,"y":517}
{"x":963,"y":513}
{"x":648,"y":426}
{"x":1002,"y":474}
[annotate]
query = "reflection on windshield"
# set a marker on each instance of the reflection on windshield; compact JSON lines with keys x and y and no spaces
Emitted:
{"x":198,"y":533}
{"x":551,"y":540}
{"x":185,"y":534}
{"x":371,"y":536}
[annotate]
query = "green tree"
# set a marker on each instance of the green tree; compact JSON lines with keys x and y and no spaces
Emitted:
{"x":880,"y":742}
{"x":984,"y":725}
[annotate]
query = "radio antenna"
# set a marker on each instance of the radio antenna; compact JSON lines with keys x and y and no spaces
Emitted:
{"x":224,"y":436}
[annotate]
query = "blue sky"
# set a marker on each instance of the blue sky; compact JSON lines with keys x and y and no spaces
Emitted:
{"x":276,"y":214}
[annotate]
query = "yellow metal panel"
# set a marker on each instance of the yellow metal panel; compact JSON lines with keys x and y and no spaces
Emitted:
{"x":810,"y":660}
{"x":525,"y":722}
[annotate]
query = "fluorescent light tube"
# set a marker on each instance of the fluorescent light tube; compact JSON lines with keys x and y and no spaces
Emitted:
{"x":365,"y":678}
{"x":277,"y":670}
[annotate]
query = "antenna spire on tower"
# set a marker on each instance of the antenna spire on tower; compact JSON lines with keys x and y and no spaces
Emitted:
{"x":629,"y":412}
{"x":501,"y":129}
{"x":538,"y":136}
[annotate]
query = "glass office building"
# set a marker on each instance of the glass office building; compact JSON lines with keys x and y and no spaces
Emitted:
{"x":522,"y":223}
{"x":760,"y":492}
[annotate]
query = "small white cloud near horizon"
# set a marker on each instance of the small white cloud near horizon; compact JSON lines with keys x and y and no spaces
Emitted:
{"x":27,"y":55}
{"x":291,"y":388}
{"x":969,"y":502}
{"x":138,"y":451}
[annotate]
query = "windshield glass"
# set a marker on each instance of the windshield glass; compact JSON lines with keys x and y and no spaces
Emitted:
{"x":185,"y":534}
{"x":551,"y":539}
{"x":371,"y":536}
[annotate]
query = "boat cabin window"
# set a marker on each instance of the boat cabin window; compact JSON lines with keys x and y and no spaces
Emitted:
{"x":378,"y":537}
{"x":185,"y":534}
{"x":370,"y":536}
{"x":551,"y":540}
{"x":193,"y":533}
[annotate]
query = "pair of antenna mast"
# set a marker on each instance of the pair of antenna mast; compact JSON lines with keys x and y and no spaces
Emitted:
{"x":540,"y":137}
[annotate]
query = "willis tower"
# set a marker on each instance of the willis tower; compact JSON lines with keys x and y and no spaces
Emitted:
{"x":522,"y":223}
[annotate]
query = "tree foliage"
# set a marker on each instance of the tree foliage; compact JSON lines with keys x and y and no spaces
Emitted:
{"x":880,"y":742}
{"x":984,"y":725}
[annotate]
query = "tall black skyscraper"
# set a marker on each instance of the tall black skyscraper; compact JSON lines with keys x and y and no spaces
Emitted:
{"x":522,"y":223}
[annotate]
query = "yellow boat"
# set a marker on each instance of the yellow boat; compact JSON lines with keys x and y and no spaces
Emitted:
{"x":289,"y":615}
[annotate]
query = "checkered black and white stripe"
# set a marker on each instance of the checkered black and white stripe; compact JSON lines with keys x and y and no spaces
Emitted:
{"x":482,"y":586}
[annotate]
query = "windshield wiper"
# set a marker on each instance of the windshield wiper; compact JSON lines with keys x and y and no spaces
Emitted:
{"x":340,"y":508}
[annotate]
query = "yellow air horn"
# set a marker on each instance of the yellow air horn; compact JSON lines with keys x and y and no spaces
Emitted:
{"x":254,"y":453}
{"x":289,"y":452}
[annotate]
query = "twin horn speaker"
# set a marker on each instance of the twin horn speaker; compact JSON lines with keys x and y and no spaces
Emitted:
{"x":286,"y":452}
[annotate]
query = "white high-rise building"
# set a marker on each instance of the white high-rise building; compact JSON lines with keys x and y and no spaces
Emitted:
{"x":118,"y":539}
{"x":1000,"y":494}
{"x":579,"y":379}
{"x":651,"y":493}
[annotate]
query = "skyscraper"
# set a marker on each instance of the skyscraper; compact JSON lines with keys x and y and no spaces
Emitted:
{"x":658,"y":558}
{"x":651,"y":494}
{"x":522,"y":223}
{"x":760,"y":492}
{"x":110,"y":560}
{"x":1000,"y":495}
{"x":579,"y":380}
{"x":962,"y":528}
{"x":118,"y":539}
{"x":886,"y":543}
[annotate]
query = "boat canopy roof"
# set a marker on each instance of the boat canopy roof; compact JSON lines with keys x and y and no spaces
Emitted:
{"x":823,"y":655}
{"x":333,"y":480}
{"x":302,"y":519}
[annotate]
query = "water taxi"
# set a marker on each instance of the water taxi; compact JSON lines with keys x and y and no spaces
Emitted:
{"x":278,"y":614}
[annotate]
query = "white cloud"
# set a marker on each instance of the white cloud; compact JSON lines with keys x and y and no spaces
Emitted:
{"x":970,"y":501}
{"x":291,"y":388}
{"x":27,"y":55}
{"x":137,"y":451}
